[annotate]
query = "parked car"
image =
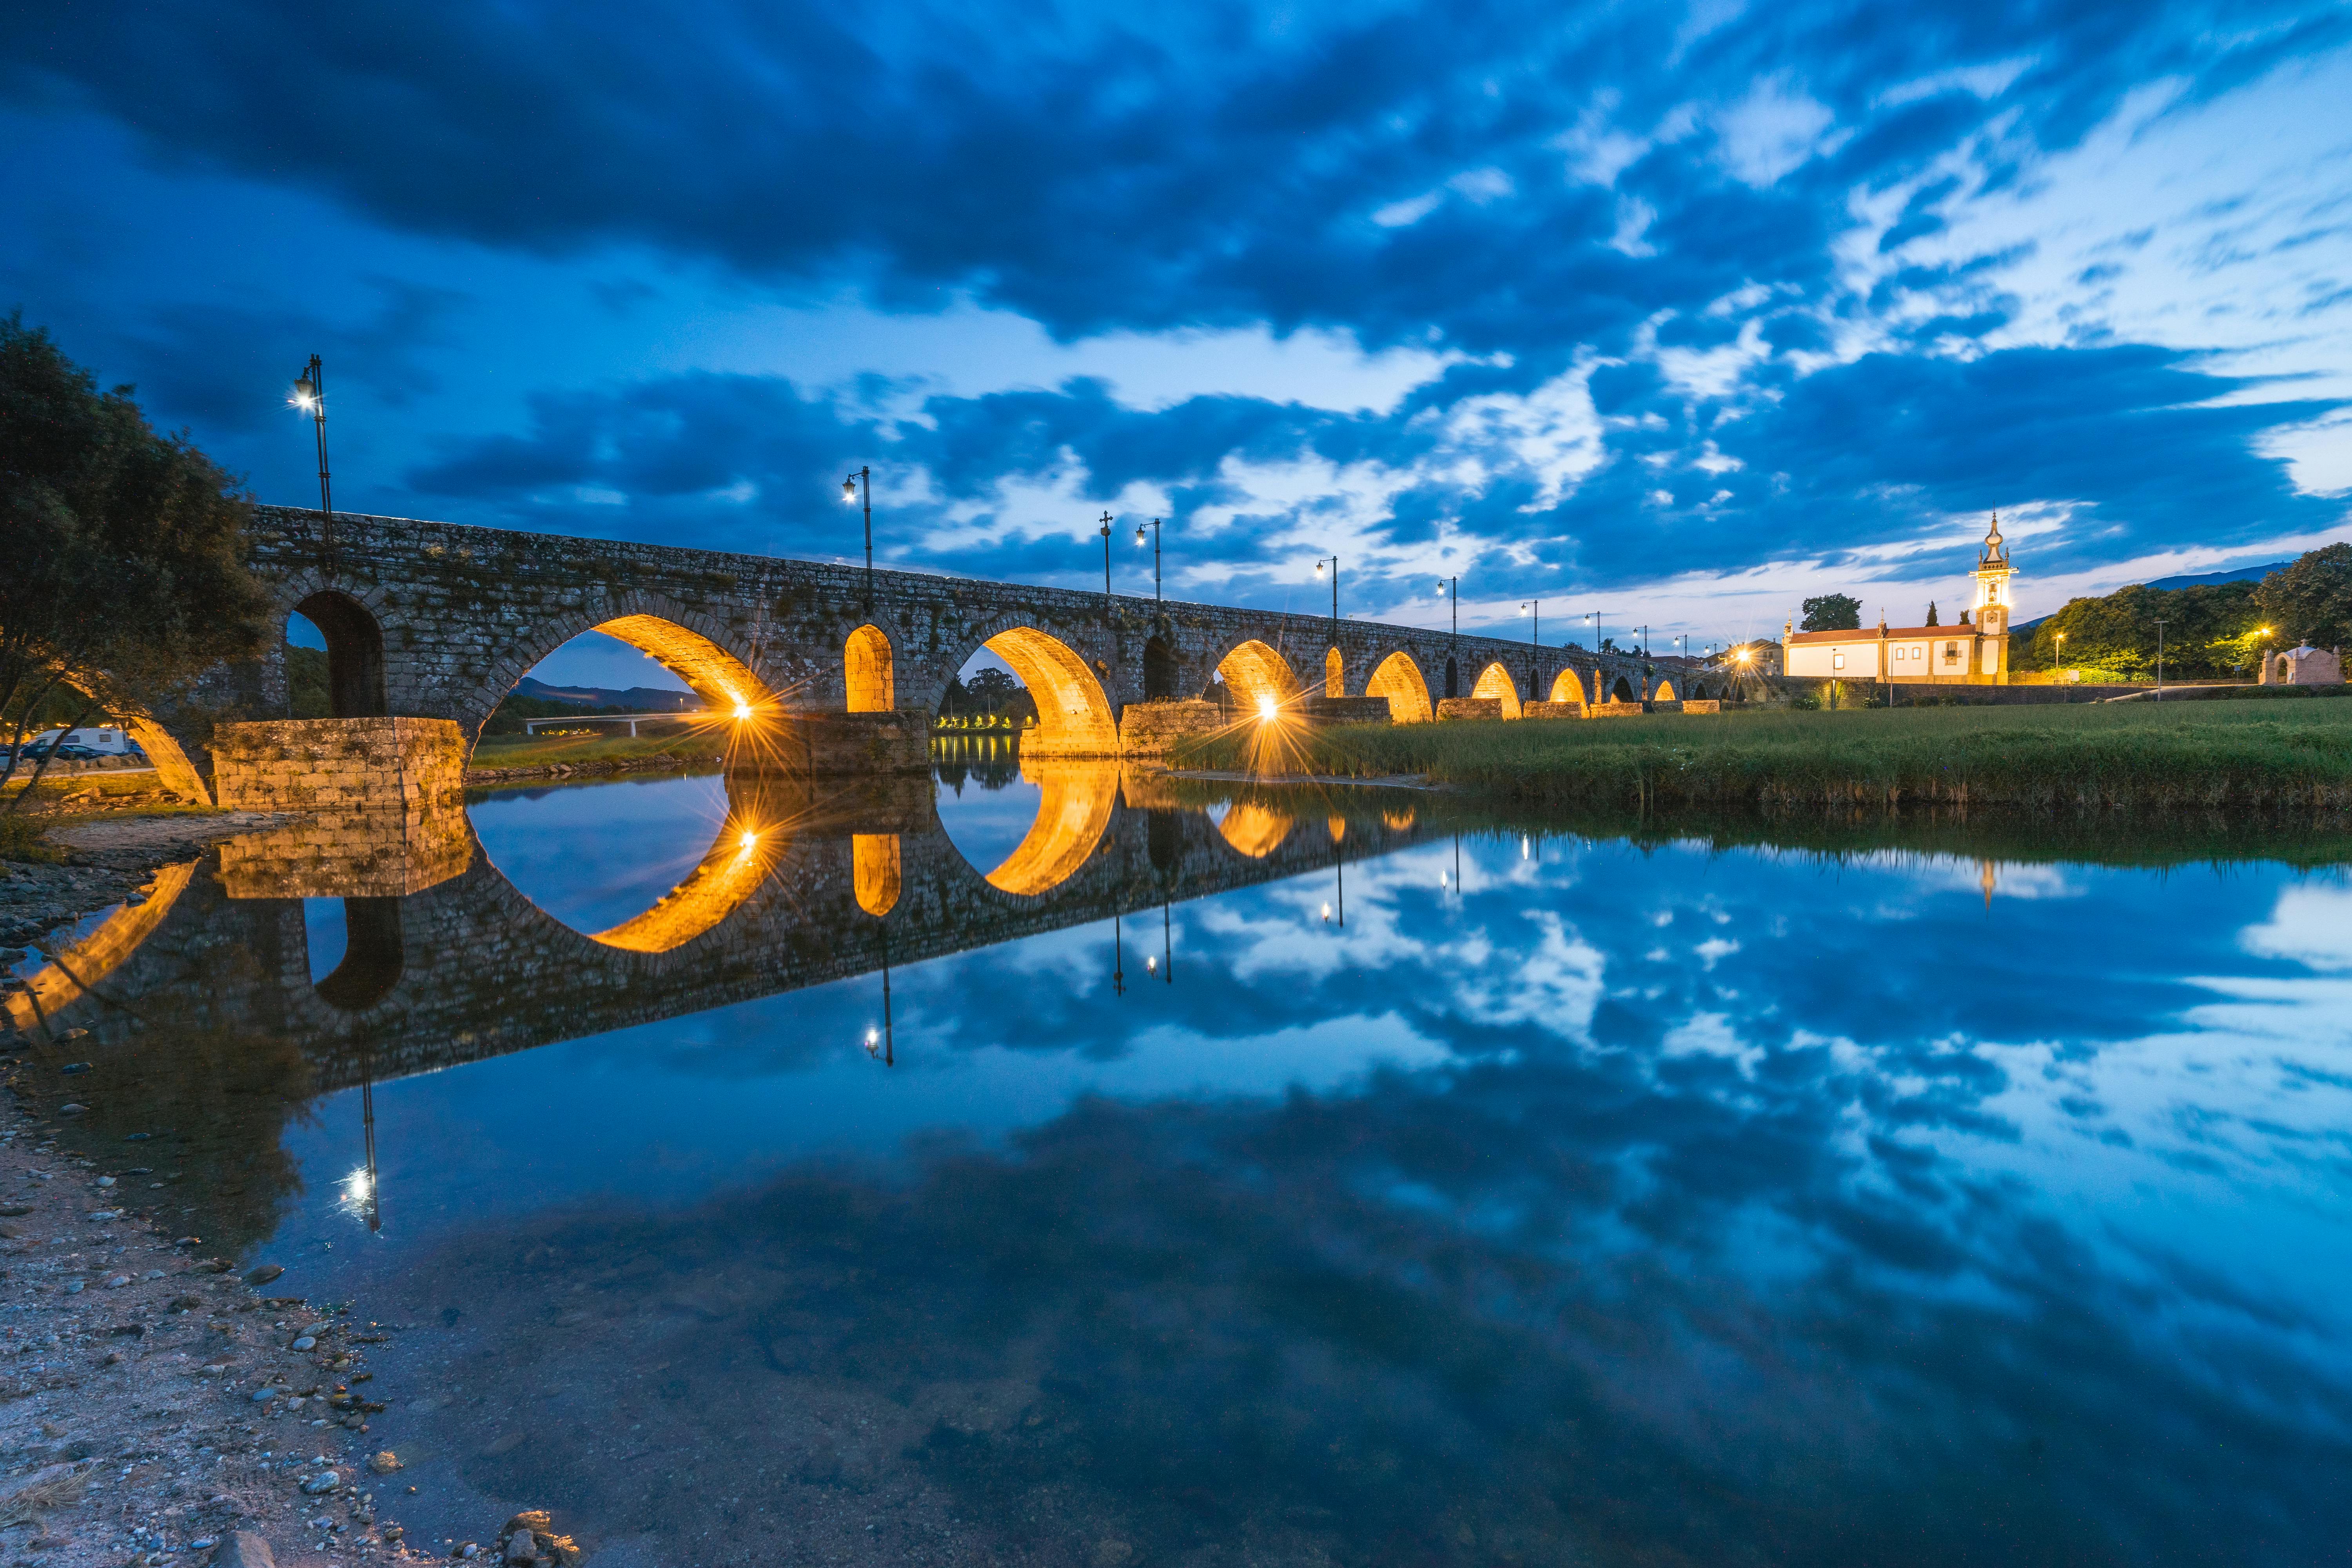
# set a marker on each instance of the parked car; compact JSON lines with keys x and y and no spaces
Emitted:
{"x":70,"y":754}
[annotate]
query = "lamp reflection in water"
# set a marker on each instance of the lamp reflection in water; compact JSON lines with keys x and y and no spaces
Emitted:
{"x":361,"y":1189}
{"x":1117,"y":956}
{"x":882,"y":1044}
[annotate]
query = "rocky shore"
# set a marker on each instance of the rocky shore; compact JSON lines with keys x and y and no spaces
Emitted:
{"x":154,"y":1406}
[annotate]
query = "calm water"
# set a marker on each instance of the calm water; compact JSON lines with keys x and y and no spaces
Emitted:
{"x":1492,"y":1198}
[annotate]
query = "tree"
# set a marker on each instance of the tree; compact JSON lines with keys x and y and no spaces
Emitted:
{"x":126,"y":576}
{"x":2310,"y":601}
{"x":1931,"y":614}
{"x":1833,"y":612}
{"x":2209,"y":630}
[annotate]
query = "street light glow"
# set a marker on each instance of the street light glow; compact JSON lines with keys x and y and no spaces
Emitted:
{"x":1266,"y":708}
{"x":742,"y":711}
{"x":750,"y":837}
{"x":849,"y":491}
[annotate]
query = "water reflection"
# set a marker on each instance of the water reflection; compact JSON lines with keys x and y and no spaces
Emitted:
{"x":1577,"y":1199}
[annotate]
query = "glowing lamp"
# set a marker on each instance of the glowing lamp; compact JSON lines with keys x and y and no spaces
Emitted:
{"x":873,"y":1037}
{"x":750,"y":837}
{"x":849,"y":491}
{"x":1150,"y":965}
{"x":1139,"y":536}
{"x":1266,"y":708}
{"x":742,"y":710}
{"x":1318,"y":569}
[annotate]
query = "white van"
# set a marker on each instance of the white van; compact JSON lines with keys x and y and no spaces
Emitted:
{"x":112,"y":742}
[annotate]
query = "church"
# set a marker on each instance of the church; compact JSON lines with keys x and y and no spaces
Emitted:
{"x":1974,"y":653}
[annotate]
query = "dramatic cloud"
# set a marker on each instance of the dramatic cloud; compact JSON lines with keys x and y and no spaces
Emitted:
{"x":1599,"y":296}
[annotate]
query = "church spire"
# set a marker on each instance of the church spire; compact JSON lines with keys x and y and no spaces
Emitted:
{"x":1995,"y":547}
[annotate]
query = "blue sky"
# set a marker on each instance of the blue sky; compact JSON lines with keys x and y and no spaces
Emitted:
{"x":1677,"y":313}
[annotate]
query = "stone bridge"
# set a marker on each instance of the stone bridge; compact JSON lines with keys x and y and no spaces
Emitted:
{"x":447,"y":961}
{"x":437,"y":620}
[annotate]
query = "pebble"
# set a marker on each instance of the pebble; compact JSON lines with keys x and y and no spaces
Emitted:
{"x":105,"y":1181}
{"x":384,"y":1463}
{"x":116,"y":1281}
{"x":305,"y":1342}
{"x":71,"y":1109}
{"x":76,"y":1287}
{"x":75,"y":1067}
{"x":264,"y":1274}
{"x":324,"y":1481}
{"x":262,"y":1396}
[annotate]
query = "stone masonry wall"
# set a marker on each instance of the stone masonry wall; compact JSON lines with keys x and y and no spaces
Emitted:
{"x":339,"y":764}
{"x":466,"y":613}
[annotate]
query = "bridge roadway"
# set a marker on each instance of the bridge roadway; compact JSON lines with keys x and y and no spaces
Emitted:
{"x":448,"y":962}
{"x":438,"y":620}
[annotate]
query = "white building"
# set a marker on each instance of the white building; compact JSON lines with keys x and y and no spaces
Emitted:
{"x":1975,"y":652}
{"x":2304,"y":666}
{"x":110,"y":740}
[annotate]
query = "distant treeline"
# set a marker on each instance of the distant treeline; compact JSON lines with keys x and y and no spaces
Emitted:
{"x":306,"y":689}
{"x":2212,"y":631}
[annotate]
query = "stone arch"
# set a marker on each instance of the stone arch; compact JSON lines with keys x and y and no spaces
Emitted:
{"x":1622,"y":692}
{"x":874,"y":871}
{"x":691,"y":645}
{"x":1073,"y":812}
{"x":866,"y":671}
{"x":355,"y":679}
{"x":1160,"y":669}
{"x":1452,"y":677}
{"x":1256,"y":675}
{"x":1074,"y":716}
{"x":1495,"y":681}
{"x":1398,"y":678}
{"x":373,"y":956}
{"x":1665,"y":692}
{"x":1335,"y":674}
{"x":1567,"y":687}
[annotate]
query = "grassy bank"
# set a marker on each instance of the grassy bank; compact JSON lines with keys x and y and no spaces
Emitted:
{"x":499,"y":754}
{"x":2203,"y":756}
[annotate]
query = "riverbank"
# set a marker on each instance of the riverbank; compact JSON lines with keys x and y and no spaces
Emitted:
{"x":154,"y":1403}
{"x":507,"y":759}
{"x":2203,"y":756}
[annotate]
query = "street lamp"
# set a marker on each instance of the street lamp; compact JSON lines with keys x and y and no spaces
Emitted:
{"x":1155,"y":555}
{"x":1534,"y":636}
{"x":849,"y":493}
{"x":2058,"y":655}
{"x":311,"y":396}
{"x":1106,"y":539}
{"x":2159,"y":661}
{"x":1454,"y":592}
{"x":1334,"y":563}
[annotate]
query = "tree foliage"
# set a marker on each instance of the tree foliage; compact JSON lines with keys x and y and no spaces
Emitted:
{"x":2209,"y":633}
{"x":125,"y":576}
{"x":1833,"y":612}
{"x":2311,"y":599}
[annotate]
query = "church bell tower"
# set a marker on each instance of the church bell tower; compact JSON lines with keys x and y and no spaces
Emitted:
{"x":1993,"y":575}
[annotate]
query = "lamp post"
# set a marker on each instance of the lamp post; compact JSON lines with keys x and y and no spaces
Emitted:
{"x":1535,"y":638}
{"x":2159,"y":661}
{"x":1334,"y":563}
{"x":1452,"y":593}
{"x":311,"y":396}
{"x":849,"y":493}
{"x":2057,"y":654}
{"x":1106,"y":539}
{"x":1155,"y":555}
{"x":1118,"y":955}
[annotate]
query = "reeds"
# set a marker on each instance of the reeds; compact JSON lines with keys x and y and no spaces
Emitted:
{"x":2141,"y":756}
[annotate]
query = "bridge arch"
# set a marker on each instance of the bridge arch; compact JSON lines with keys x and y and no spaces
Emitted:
{"x":1452,"y":677}
{"x":373,"y":956}
{"x":1495,"y":681}
{"x":1335,"y":674}
{"x":691,"y":645}
{"x":1620,"y":692}
{"x":1567,"y":687}
{"x":1256,"y":675}
{"x":1665,"y":692}
{"x":355,"y":682}
{"x":1074,"y":713}
{"x":1398,"y":678}
{"x":866,"y":671}
{"x":1160,"y":669}
{"x":874,"y":871}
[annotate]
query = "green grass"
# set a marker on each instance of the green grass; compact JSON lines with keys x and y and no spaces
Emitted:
{"x":575,"y":751}
{"x":2198,"y":755}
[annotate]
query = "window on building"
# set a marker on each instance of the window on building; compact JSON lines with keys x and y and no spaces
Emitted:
{"x":1951,"y":653}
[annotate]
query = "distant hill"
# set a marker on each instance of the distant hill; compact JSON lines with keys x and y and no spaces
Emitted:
{"x":636,"y":700}
{"x":2242,"y":575}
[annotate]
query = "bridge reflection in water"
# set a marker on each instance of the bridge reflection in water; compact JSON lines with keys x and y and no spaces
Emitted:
{"x":447,"y":961}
